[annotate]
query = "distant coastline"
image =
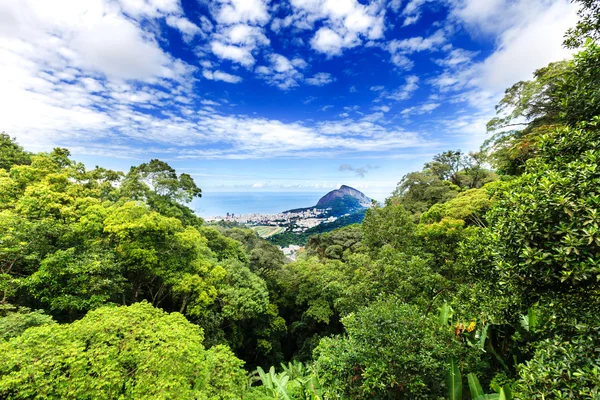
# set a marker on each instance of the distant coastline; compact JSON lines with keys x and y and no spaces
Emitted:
{"x":214,"y":204}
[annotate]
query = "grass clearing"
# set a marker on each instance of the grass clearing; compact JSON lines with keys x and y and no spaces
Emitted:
{"x":267,"y":231}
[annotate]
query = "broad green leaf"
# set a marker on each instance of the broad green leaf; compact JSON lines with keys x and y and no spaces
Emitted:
{"x":475,"y":386}
{"x":445,"y":313}
{"x":454,"y":381}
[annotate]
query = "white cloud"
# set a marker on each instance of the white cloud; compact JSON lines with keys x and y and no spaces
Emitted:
{"x":401,"y":48}
{"x":412,"y":11}
{"x":150,"y":8}
{"x":320,"y":79}
{"x":282,"y":72}
{"x":418,"y":43}
{"x":534,"y":44}
{"x":221,"y":76}
{"x":286,"y":74}
{"x":241,"y":11}
{"x":346,"y":23}
{"x":419,"y":110}
{"x":531,"y":41}
{"x":237,"y":54}
{"x":382,"y":108}
{"x":413,"y":19}
{"x":244,"y":35}
{"x":328,"y":41}
{"x":402,"y":61}
{"x":494,"y":16}
{"x":413,"y":7}
{"x":240,"y":31}
{"x":187,"y":29}
{"x":405,"y":91}
{"x":457,"y":57}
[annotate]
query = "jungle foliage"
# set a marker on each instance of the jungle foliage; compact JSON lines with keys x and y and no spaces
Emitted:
{"x":479,"y":278}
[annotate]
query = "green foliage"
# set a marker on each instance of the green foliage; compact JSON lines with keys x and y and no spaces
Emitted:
{"x":470,"y":206}
{"x":15,"y":323}
{"x":390,"y":350}
{"x":588,"y":26}
{"x":512,"y":266}
{"x":333,"y":245}
{"x":563,"y":368}
{"x":547,"y":223}
{"x":561,"y":93}
{"x":294,"y":382}
{"x":11,"y":153}
{"x":420,"y":190}
{"x":454,"y":380}
{"x":135,"y":351}
{"x":390,"y":225}
{"x":71,"y":282}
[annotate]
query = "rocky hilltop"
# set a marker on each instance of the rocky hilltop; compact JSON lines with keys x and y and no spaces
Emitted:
{"x":344,"y":191}
{"x":343,"y":201}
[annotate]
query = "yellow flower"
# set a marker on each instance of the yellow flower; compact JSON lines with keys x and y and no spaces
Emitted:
{"x":471,"y":327}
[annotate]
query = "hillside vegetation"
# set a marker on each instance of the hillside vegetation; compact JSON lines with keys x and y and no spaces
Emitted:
{"x":470,"y":282}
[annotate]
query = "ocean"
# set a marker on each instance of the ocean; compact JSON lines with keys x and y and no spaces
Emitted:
{"x":213,"y":204}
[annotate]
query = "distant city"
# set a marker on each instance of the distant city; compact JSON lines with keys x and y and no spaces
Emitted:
{"x":297,"y":222}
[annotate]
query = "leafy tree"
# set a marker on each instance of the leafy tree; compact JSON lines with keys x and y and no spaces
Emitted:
{"x":131,"y":352}
{"x":446,"y":166}
{"x":579,"y":94}
{"x":420,"y":190}
{"x":11,"y":153}
{"x":563,"y":368}
{"x":390,"y":350}
{"x":15,"y":323}
{"x":562,"y":93}
{"x":158,"y":184}
{"x":470,"y":206}
{"x":547,"y":222}
{"x":334,"y":244}
{"x":588,"y":25}
{"x":390,"y":225}
{"x":71,"y":282}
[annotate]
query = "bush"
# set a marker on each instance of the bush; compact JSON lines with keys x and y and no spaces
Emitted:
{"x":391,"y":350}
{"x":563,"y":369}
{"x":118,"y":352}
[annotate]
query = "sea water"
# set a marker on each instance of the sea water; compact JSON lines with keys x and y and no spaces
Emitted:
{"x":213,"y":204}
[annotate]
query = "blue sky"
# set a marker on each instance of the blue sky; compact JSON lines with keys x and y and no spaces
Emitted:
{"x":259,"y":95}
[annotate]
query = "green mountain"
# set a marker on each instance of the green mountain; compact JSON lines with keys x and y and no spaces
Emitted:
{"x":342,"y":201}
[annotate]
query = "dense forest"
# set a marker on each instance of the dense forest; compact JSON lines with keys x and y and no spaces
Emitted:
{"x":478,"y":279}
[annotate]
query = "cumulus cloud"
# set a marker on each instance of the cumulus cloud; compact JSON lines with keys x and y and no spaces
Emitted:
{"x":421,"y":109}
{"x":240,"y":29}
{"x":241,"y":55}
{"x":400,"y":49}
{"x":282,"y":72}
{"x":403,"y":92}
{"x":56,"y":93}
{"x":346,"y":23}
{"x":528,"y":31}
{"x":382,"y":108}
{"x":187,"y":28}
{"x":240,"y":11}
{"x":221,"y":76}
{"x":320,"y":79}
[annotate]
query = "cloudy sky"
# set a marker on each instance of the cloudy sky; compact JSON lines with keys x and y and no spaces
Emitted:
{"x":267,"y":95}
